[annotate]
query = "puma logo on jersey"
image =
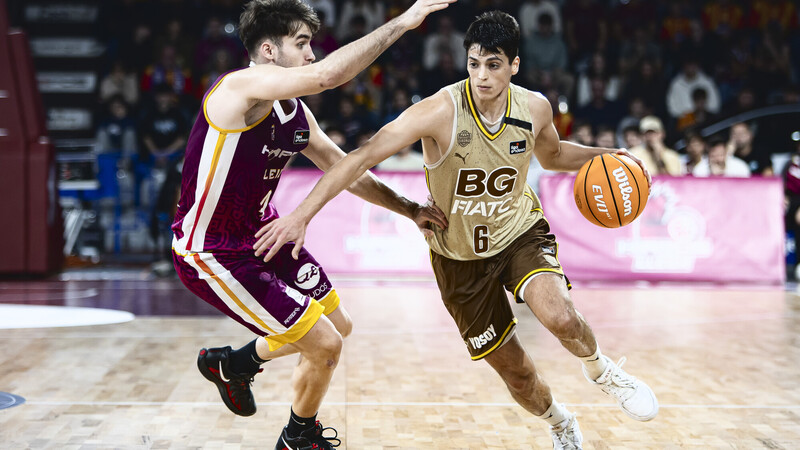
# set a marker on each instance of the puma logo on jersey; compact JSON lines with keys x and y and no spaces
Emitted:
{"x":463,"y":158}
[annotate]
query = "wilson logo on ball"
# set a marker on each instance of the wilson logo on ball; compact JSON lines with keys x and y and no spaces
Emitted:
{"x":611,"y":190}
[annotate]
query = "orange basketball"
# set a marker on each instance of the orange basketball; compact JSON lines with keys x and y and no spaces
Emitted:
{"x":611,"y":190}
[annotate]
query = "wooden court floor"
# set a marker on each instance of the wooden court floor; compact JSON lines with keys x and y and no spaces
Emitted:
{"x":723,"y":362}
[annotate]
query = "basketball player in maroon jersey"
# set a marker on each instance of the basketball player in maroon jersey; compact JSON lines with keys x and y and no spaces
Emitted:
{"x":478,"y":138}
{"x":251,"y":123}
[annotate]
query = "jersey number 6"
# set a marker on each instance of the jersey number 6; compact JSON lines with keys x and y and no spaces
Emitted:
{"x":480,"y":239}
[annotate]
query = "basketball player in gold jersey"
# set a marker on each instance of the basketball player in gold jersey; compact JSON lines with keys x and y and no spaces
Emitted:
{"x":478,"y":137}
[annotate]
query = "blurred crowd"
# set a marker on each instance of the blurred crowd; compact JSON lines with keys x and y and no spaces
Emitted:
{"x":646,"y":75}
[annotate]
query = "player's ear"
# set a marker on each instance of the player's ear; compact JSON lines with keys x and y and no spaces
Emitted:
{"x":515,"y":65}
{"x":267,"y":49}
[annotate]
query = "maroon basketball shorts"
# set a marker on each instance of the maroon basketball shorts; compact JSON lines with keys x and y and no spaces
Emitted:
{"x":474,"y":291}
{"x":280,"y":300}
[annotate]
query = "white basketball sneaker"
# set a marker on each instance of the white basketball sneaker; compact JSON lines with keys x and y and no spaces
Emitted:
{"x":634,"y":397}
{"x":567,"y":436}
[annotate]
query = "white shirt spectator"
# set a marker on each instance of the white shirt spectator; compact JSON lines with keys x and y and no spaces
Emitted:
{"x":679,"y":94}
{"x":406,"y":160}
{"x":734,"y":167}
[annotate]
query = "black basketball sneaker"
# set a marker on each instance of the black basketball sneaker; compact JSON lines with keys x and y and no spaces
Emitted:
{"x":234,"y":388}
{"x":311,"y":439}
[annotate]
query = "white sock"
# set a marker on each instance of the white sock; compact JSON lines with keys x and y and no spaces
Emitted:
{"x":594,"y":364}
{"x":555,"y":414}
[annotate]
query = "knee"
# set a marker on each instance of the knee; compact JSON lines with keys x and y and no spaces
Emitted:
{"x":565,"y":324}
{"x":328,"y":349}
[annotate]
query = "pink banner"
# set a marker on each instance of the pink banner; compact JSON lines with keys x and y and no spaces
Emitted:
{"x":693,"y":229}
{"x":350,"y":235}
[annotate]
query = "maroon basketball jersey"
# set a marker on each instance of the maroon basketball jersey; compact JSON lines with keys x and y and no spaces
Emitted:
{"x":230,"y":178}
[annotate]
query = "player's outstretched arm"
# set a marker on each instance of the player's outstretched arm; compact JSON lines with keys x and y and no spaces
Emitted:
{"x":324,"y":153}
{"x":271,"y":82}
{"x":418,"y":121}
{"x":564,"y":156}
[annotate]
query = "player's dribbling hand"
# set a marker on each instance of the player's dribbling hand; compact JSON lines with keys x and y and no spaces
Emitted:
{"x":272,"y":236}
{"x":625,"y":152}
{"x":414,"y":16}
{"x":428,"y":214}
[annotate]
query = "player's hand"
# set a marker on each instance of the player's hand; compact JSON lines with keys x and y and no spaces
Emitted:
{"x":272,"y":236}
{"x":414,"y":16}
{"x":428,"y":214}
{"x":625,"y":152}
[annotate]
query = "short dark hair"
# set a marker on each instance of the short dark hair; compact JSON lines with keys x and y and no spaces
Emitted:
{"x":494,"y":31}
{"x":715,"y":141}
{"x":272,"y":20}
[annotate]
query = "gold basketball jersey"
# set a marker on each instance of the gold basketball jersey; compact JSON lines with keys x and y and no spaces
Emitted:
{"x":480,"y":182}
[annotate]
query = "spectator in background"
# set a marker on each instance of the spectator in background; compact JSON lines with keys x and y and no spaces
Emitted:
{"x":600,"y":110}
{"x":695,"y":152}
{"x":175,"y":36}
{"x":323,"y":42}
{"x":791,"y":190}
{"x":648,"y":84}
{"x":740,"y":145}
{"x":636,"y":111}
{"x":446,"y":39}
{"x":745,"y":100}
{"x":598,"y":68}
{"x":164,"y":130}
{"x":138,"y":50}
{"x":633,"y":52}
{"x":406,"y":160}
{"x":219,"y":64}
{"x":356,"y":29}
{"x":562,"y":117}
{"x":583,"y":133}
{"x":780,"y":13}
{"x":719,"y":163}
{"x":723,"y":17}
{"x":699,"y":115}
{"x":168,"y":72}
{"x":215,"y":38}
{"x":605,"y":137}
{"x":586,"y":29}
{"x":544,"y":57}
{"x":772,"y":64}
{"x":657,"y":157}
{"x":373,"y":13}
{"x":401,"y":100}
{"x":326,"y":12}
{"x":121,"y":82}
{"x":352,"y":120}
{"x":631,"y":136}
{"x":530,"y":13}
{"x":679,"y":94}
{"x":116,"y":132}
{"x":444,"y":74}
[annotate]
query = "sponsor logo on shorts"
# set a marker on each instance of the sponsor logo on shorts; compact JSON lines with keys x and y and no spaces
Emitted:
{"x":549,"y":250}
{"x":517,"y":147}
{"x":482,"y":339}
{"x":319,"y":291}
{"x":307,"y":276}
{"x":291,"y":316}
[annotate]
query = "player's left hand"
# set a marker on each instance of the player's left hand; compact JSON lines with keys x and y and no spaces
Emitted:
{"x":625,"y":152}
{"x":428,"y":214}
{"x":272,"y":236}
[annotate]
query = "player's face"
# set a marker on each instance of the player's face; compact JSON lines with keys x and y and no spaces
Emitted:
{"x":295,"y":51}
{"x":489,"y":73}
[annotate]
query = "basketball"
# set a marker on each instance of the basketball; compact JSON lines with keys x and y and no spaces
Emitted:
{"x":611,"y":190}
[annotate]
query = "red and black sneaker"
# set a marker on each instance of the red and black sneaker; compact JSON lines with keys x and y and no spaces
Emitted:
{"x":311,"y":439}
{"x":234,"y":388}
